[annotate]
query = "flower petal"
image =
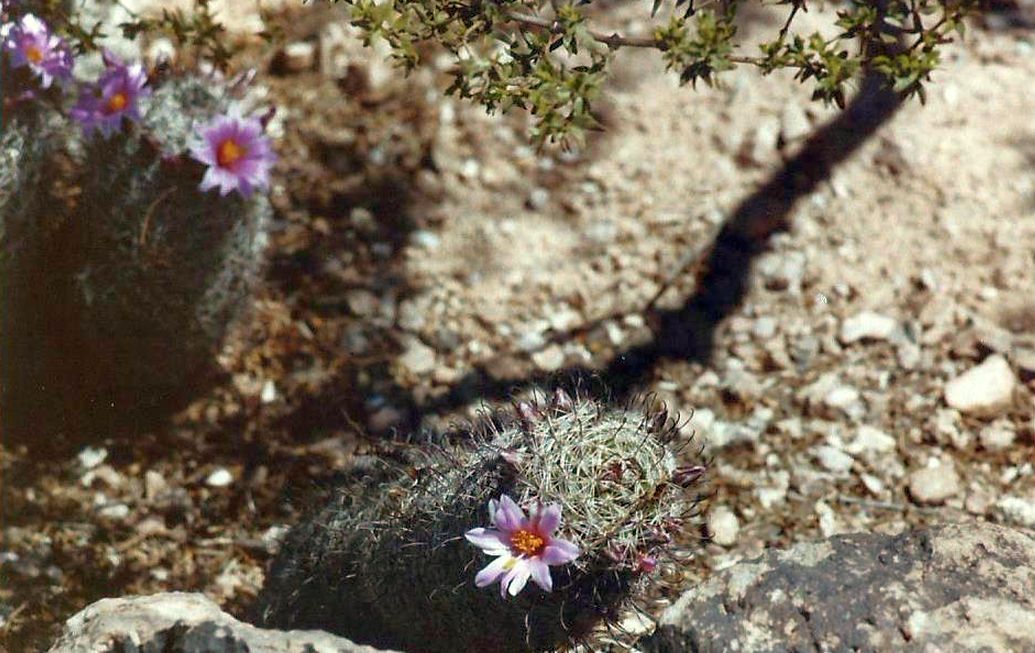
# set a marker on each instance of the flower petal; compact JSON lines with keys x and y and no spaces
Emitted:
{"x":488,"y":540}
{"x":209,"y":181}
{"x":559,"y":552}
{"x":492,"y":571}
{"x":549,"y":518}
{"x":516,"y":580}
{"x":509,"y":516}
{"x":541,"y":574}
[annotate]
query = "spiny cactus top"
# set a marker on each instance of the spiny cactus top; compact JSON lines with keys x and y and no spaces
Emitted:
{"x":584,"y":501}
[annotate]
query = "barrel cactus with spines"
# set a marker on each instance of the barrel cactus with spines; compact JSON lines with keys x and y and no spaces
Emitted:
{"x":576,"y":496}
{"x":167,"y":268}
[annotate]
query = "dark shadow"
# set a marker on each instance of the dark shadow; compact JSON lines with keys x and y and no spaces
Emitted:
{"x":688,"y":332}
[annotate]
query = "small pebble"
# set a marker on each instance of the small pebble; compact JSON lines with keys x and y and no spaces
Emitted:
{"x":872,"y":483}
{"x":219,"y":478}
{"x":833,"y":459}
{"x":269,"y":392}
{"x":986,"y":389}
{"x":418,"y":358}
{"x":723,"y":526}
{"x":829,"y":524}
{"x":867,"y":326}
{"x":871,"y":439}
{"x":1017,"y":511}
{"x":934,"y":485}
{"x":154,"y":484}
{"x":549,"y":359}
{"x":794,"y":124}
{"x":90,"y":457}
{"x":998,"y":435}
{"x":299,"y":56}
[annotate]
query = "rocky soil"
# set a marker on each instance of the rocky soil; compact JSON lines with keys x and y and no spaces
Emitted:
{"x":876,"y":375}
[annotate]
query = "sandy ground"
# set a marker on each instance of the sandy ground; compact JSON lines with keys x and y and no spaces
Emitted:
{"x":426,"y":259}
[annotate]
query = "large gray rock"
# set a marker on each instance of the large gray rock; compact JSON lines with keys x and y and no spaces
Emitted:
{"x":183,"y":623}
{"x":964,"y":587}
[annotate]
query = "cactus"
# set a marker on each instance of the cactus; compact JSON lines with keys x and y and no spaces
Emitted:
{"x":33,"y":272}
{"x":167,"y":269}
{"x":386,"y":561}
{"x":24,"y":147}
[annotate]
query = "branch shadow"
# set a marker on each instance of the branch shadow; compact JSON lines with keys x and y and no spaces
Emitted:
{"x":688,"y":332}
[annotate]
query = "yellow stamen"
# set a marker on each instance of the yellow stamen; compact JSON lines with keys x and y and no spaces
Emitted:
{"x":527,"y":542}
{"x":34,"y":54}
{"x":117,"y":102}
{"x":228,"y":153}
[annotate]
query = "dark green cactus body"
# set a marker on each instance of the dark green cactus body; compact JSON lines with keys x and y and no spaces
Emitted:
{"x":34,"y":288}
{"x":388,"y":563}
{"x":166,"y":268}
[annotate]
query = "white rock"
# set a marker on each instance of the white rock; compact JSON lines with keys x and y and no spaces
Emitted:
{"x":1017,"y":511}
{"x":362,"y":303}
{"x":269,"y":392}
{"x":564,"y":319}
{"x":91,"y":457}
{"x":998,"y":435}
{"x":117,"y":511}
{"x":833,"y":459}
{"x":418,"y":358}
{"x":934,"y":485}
{"x":764,"y":328}
{"x":870,"y":439}
{"x":219,"y":478}
{"x":986,"y":389}
{"x":425,"y":239}
{"x":531,"y":340}
{"x":794,"y":124}
{"x":760,"y":145}
{"x":947,"y":427}
{"x":299,"y":56}
{"x":549,"y":359}
{"x":776,"y":493}
{"x":829,"y":524}
{"x":846,"y":400}
{"x":724,"y":434}
{"x":723,"y":526}
{"x":155,"y":484}
{"x":700,"y":422}
{"x":873,"y":484}
{"x":841,"y":397}
{"x":185,"y":623}
{"x":867,"y":326}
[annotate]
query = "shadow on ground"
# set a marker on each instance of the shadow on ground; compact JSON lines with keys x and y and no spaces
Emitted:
{"x":722,"y":273}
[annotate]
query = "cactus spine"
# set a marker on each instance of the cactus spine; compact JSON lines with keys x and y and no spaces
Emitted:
{"x":387,"y":564}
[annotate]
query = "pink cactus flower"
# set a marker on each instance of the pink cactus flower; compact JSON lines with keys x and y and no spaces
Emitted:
{"x":237,"y":153}
{"x":524,"y":547}
{"x":103,"y":106}
{"x":29,"y":42}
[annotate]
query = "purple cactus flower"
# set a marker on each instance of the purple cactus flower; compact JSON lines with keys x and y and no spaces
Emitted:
{"x":31,"y":43}
{"x":524,"y":547}
{"x":102,"y":106}
{"x":237,"y":153}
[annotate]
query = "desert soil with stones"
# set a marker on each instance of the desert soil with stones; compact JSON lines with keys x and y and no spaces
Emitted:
{"x":877,"y":374}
